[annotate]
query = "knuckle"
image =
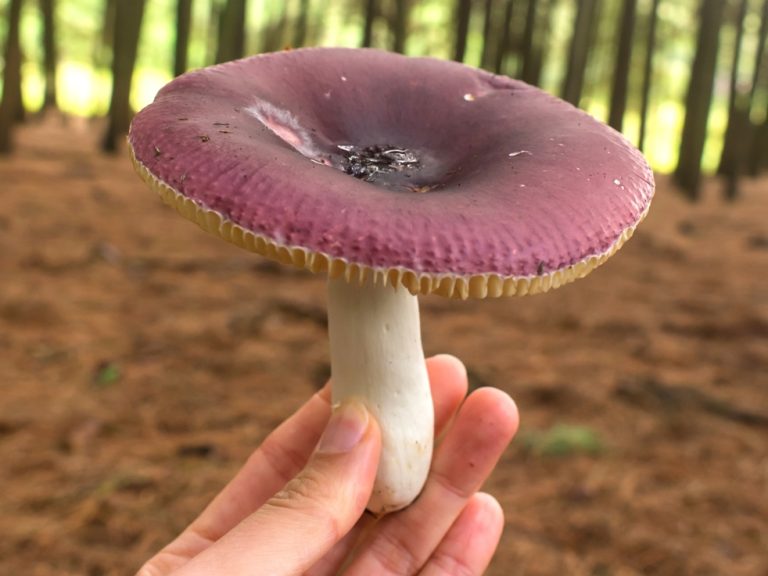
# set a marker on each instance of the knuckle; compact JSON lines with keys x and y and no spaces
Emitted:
{"x":309,"y":496}
{"x":394,"y":554}
{"x":305,"y":489}
{"x":163,"y":563}
{"x":451,"y":486}
{"x":149,"y":569}
{"x":284,"y":461}
{"x":451,"y":565}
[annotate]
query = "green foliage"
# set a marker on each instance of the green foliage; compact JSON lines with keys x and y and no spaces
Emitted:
{"x":562,"y":440}
{"x":106,"y":374}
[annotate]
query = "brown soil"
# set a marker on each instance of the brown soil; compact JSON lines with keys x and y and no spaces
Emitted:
{"x":142,"y":360}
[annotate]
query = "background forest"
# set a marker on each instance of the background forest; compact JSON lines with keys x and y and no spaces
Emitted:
{"x":687,"y":80}
{"x":142,"y":361}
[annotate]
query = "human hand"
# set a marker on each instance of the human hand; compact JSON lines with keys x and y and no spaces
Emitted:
{"x":298,"y":504}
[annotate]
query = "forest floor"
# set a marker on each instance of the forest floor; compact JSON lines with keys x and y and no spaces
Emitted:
{"x":141,"y":361}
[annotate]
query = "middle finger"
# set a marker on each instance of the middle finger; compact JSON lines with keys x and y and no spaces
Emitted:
{"x":400,"y":544}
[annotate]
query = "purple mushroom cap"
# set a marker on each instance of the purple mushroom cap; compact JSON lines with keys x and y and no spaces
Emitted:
{"x":413,"y":171}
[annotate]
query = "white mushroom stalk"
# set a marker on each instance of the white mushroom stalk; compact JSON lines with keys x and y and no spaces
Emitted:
{"x":377,"y":358}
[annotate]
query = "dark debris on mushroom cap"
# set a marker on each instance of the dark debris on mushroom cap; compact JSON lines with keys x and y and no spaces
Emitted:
{"x":464,"y":183}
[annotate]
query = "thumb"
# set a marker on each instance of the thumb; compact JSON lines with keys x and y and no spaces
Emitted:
{"x":302,"y":522}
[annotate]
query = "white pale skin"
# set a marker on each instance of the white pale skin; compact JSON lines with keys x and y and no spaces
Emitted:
{"x":377,"y":358}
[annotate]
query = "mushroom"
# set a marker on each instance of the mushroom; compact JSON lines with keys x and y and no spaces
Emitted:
{"x":395,"y":176}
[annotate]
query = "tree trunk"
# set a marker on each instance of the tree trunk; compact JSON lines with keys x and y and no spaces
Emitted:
{"x":730,"y":157}
{"x":231,"y":41}
{"x":274,"y":36}
{"x":10,"y":104}
{"x":760,"y":147}
{"x":535,"y":33}
{"x":739,"y":126}
{"x":699,"y":98}
{"x":760,"y":55}
{"x":579,"y":52}
{"x":531,"y":57}
{"x":650,"y":45}
{"x":505,"y":38}
{"x":461,"y":19}
{"x":526,"y":41}
{"x":487,"y":58}
{"x":623,"y":63}
{"x":370,"y":18}
{"x":759,"y":134}
{"x":48,"y":12}
{"x":20,"y":113}
{"x":128,"y":17}
{"x":183,"y":28}
{"x":212,"y":31}
{"x":103,"y":50}
{"x":400,"y":27}
{"x":300,"y":32}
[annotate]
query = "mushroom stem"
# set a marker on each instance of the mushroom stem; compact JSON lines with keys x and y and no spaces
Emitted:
{"x":376,"y":357}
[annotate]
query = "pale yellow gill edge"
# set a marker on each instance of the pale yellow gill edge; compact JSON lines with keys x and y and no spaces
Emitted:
{"x":486,"y":285}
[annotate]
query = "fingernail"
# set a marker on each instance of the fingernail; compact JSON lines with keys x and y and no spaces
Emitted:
{"x":345,"y":428}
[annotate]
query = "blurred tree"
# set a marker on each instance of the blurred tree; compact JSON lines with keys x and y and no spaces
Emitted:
{"x":532,"y":51}
{"x":758,"y":153}
{"x":505,"y":38}
{"x":275,"y":33}
{"x":371,"y":12}
{"x":183,"y":29}
{"x":462,"y":14}
{"x":760,"y":148}
{"x":103,"y":50}
{"x":212,"y":31}
{"x":581,"y":41}
{"x":10,"y":103}
{"x":300,"y":30}
{"x":736,"y":133}
{"x":650,"y":45}
{"x":48,"y":12}
{"x":230,"y":44}
{"x":490,"y":44}
{"x":400,"y":25}
{"x":699,"y":98}
{"x":128,"y":17}
{"x":621,"y":69}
